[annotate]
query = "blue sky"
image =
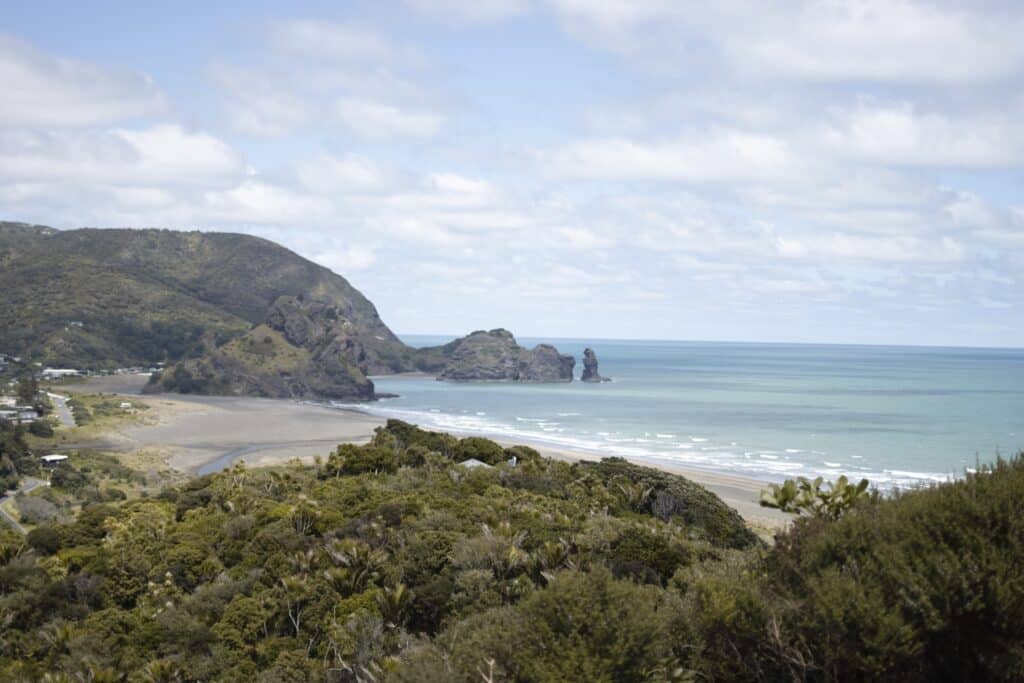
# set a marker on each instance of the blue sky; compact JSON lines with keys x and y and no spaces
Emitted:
{"x":838,"y":171}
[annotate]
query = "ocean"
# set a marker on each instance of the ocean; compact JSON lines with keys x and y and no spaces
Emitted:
{"x":898,"y":416}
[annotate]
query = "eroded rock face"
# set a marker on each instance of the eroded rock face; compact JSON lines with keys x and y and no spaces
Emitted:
{"x":304,"y":349}
{"x":590,"y":372}
{"x":496,"y":356}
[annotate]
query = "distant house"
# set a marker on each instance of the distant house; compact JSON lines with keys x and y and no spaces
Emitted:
{"x":57,"y":373}
{"x":473,"y":462}
{"x":19,"y":414}
{"x":8,"y":401}
{"x":53,"y":459}
{"x":125,"y":405}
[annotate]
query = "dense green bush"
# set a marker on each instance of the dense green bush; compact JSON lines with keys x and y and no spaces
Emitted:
{"x":927,"y":585}
{"x":389,"y":562}
{"x":40,"y":428}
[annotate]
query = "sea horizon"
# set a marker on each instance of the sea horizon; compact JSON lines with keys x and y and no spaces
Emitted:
{"x":898,"y":415}
{"x":530,"y":339}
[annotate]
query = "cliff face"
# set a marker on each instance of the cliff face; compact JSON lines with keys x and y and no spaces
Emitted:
{"x":496,"y":356}
{"x":305,"y":349}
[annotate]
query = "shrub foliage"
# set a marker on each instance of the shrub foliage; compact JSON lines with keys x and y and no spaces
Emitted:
{"x":387,"y":562}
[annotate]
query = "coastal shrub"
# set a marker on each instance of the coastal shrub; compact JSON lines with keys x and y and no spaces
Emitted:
{"x":68,"y":477}
{"x":481,"y":449}
{"x":387,"y":562}
{"x":40,"y":428}
{"x":581,"y":627}
{"x":926,"y":585}
{"x":675,"y":497}
{"x":646,"y":556}
{"x":816,"y":497}
{"x":44,"y":540}
{"x":35,"y":510}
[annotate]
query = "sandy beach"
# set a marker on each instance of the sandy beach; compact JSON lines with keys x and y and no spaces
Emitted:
{"x":199,"y":434}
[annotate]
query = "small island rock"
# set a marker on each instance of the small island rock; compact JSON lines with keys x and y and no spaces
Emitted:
{"x":590,"y":373}
{"x":495,"y":356}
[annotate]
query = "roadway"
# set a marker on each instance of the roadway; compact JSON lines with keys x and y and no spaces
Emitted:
{"x":27,"y":486}
{"x":64,"y":414}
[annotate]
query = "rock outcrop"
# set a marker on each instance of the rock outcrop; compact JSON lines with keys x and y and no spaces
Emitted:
{"x":496,"y":356}
{"x":590,"y":373}
{"x":305,"y":349}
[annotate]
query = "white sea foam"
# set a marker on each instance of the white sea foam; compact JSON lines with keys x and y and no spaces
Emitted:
{"x":697,"y":452}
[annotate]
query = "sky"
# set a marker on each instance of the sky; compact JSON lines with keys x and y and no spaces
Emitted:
{"x":835,"y":171}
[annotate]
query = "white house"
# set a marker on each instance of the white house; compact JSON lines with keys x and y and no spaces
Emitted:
{"x":53,"y":459}
{"x":57,"y":373}
{"x":19,"y":414}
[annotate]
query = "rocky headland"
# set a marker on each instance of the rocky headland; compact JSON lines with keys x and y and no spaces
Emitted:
{"x":496,"y":356}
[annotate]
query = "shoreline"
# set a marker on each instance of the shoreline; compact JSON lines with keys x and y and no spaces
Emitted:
{"x":202,"y":434}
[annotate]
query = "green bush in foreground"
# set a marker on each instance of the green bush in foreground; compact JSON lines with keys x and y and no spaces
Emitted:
{"x":927,"y":585}
{"x":388,"y":562}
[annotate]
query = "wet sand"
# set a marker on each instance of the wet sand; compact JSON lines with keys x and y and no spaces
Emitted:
{"x":201,"y":434}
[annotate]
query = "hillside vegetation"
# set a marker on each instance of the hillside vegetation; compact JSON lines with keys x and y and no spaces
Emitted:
{"x":144,"y":296}
{"x":228,"y":314}
{"x":391,"y":562}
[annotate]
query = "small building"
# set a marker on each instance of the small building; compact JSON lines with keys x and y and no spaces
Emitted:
{"x":19,"y":414}
{"x":8,"y":401}
{"x":58,"y":373}
{"x":473,"y":462}
{"x":126,"y":405}
{"x":53,"y":459}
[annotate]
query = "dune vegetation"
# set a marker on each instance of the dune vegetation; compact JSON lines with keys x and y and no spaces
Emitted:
{"x":393,"y":562}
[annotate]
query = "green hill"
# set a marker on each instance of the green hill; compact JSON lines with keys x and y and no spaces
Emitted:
{"x":94,"y":298}
{"x":198,"y":301}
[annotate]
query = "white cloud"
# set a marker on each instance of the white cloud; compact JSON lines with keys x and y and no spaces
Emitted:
{"x":42,"y":90}
{"x":901,"y":135}
{"x":880,"y":249}
{"x":822,"y":41}
{"x":715,"y":156}
{"x":584,"y":238}
{"x":474,"y":11}
{"x":254,"y":201}
{"x":376,"y":119}
{"x":330,"y":40}
{"x":257,"y":104}
{"x":328,"y":174}
{"x":881,"y":40}
{"x":351,"y":258}
{"x":159,"y":154}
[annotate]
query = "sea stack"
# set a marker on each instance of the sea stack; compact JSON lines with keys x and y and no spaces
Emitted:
{"x":590,"y":373}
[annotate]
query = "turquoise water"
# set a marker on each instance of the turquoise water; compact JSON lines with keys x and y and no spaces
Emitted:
{"x":896,"y":415}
